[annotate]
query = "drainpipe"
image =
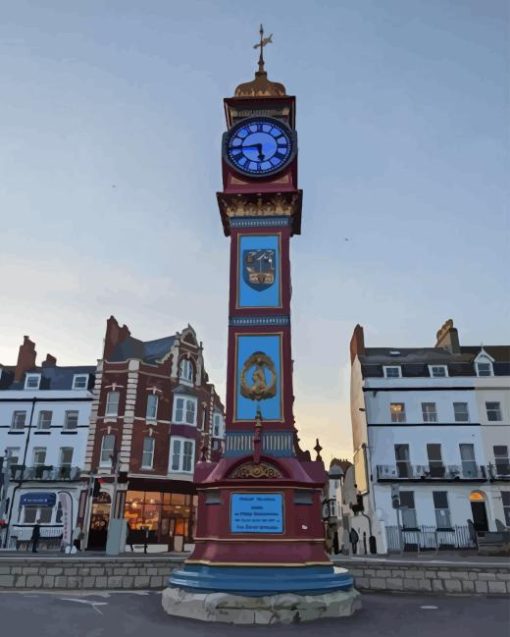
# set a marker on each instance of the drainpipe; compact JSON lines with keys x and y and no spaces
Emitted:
{"x":20,"y":483}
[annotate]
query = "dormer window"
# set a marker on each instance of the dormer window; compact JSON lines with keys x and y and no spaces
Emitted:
{"x":484,"y":364}
{"x":438,"y":371}
{"x":80,"y":381}
{"x":32,"y":381}
{"x":392,"y":371}
{"x":484,"y":368}
{"x":186,"y":370}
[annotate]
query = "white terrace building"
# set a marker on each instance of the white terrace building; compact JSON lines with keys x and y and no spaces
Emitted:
{"x":44,"y":422}
{"x":433,"y":425}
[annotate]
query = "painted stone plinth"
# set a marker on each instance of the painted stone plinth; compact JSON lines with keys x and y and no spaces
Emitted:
{"x":271,"y":609}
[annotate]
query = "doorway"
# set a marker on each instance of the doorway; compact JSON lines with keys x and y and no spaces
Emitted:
{"x":479,"y":511}
{"x":99,"y":520}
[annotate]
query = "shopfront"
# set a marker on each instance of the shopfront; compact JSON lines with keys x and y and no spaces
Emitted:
{"x":169,"y":517}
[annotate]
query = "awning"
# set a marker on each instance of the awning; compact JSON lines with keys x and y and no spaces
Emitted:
{"x":38,"y":498}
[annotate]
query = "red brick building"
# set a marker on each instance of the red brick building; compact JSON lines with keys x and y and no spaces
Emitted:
{"x":154,"y":409}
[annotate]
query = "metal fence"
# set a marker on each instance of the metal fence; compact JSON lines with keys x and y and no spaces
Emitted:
{"x":429,"y":538}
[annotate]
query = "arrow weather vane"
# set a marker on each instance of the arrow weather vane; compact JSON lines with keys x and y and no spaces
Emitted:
{"x":263,"y":42}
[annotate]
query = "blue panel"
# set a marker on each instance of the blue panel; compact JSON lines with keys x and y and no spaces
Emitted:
{"x":259,"y":256}
{"x":256,"y":581}
{"x":270,"y":345}
{"x":256,"y":513}
{"x":38,"y":499}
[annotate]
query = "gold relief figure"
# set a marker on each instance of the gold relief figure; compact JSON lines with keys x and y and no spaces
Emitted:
{"x":255,"y":384}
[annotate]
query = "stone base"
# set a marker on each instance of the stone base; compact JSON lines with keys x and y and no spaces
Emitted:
{"x":272,"y":609}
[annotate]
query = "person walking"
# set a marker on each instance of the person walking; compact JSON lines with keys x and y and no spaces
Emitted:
{"x":36,"y":534}
{"x":129,"y":535}
{"x":354,"y":539}
{"x":77,"y":537}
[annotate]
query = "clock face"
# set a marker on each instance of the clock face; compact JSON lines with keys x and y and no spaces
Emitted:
{"x":259,"y":146}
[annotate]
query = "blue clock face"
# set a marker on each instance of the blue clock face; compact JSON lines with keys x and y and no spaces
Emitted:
{"x":259,"y":146}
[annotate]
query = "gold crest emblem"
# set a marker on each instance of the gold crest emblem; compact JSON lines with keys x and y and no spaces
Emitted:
{"x":258,"y":377}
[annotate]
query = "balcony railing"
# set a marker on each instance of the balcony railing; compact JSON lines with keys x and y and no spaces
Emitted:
{"x":44,"y":472}
{"x":404,"y":471}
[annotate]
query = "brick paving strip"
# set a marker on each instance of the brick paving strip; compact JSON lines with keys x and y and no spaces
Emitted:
{"x":435,"y":574}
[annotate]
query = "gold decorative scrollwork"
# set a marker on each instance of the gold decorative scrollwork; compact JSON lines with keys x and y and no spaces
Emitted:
{"x":259,"y":388}
{"x":256,"y":471}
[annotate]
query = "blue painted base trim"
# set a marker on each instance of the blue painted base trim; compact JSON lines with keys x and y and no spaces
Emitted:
{"x":257,"y":581}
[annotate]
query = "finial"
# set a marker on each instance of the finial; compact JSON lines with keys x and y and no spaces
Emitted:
{"x":318,"y":450}
{"x":257,"y":438}
{"x":263,"y":42}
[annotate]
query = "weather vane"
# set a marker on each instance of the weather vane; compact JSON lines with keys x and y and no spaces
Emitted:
{"x":263,"y":42}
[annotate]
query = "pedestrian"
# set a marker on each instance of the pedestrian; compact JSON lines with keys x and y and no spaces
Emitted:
{"x":145,"y":539}
{"x":77,"y":537}
{"x":354,"y":539}
{"x":129,"y":535}
{"x":36,"y":534}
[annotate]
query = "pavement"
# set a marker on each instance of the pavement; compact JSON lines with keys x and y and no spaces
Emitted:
{"x":75,"y":614}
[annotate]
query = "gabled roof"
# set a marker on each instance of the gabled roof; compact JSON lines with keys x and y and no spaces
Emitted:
{"x":52,"y":377}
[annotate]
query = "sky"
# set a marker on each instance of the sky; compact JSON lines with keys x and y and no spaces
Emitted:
{"x":111,"y":119}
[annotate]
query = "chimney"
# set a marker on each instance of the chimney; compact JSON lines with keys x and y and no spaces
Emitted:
{"x":447,"y":337}
{"x":114,"y":335}
{"x":50,"y":361}
{"x":357,"y":345}
{"x":26,"y":358}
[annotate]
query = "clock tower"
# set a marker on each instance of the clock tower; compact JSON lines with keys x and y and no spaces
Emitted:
{"x":259,"y":526}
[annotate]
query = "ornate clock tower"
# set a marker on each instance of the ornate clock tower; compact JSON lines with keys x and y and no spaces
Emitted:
{"x":259,"y":525}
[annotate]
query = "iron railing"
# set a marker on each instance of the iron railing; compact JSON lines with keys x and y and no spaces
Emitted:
{"x":406,"y":471}
{"x":429,"y":538}
{"x":44,"y":472}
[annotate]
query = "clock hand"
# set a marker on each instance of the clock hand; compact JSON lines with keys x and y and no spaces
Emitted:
{"x":261,"y":155}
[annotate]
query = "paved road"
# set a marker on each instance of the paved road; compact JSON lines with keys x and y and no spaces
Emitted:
{"x":140,"y":614}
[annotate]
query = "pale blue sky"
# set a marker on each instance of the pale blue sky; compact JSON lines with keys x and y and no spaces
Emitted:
{"x":110,"y":127}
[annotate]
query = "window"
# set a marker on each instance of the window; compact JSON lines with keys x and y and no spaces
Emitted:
{"x":80,"y":381}
{"x":39,"y":456}
{"x":467,"y":455}
{"x":505,"y":497}
{"x":152,"y":407}
{"x":392,"y":372}
{"x":182,"y":455}
{"x":34,"y":514}
{"x":408,"y":511}
{"x":429,"y":412}
{"x":186,"y":370}
{"x":438,"y":371}
{"x":44,"y":420}
{"x":484,"y":369}
{"x":442,"y":511}
{"x":112,"y":403}
{"x":493,"y":412}
{"x":32,"y":381}
{"x":66,"y":461}
{"x":71,"y":420}
{"x":402,"y":460}
{"x":460,"y":412}
{"x":12,"y":455}
{"x":107,"y":448}
{"x":398,"y":412}
{"x":501,"y":460}
{"x":436,"y":466}
{"x":18,"y":420}
{"x":217,"y":426}
{"x":185,"y":410}
{"x":148,"y":452}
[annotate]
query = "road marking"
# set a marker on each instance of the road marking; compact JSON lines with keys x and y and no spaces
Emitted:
{"x":85,"y":601}
{"x":429,"y":607}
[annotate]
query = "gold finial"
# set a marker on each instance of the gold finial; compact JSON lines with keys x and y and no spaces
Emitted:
{"x":263,"y":42}
{"x":261,"y":86}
